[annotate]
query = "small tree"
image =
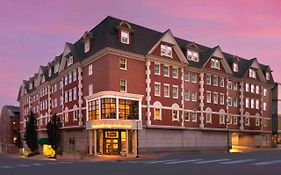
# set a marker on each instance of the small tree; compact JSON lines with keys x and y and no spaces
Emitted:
{"x":18,"y":141}
{"x":31,"y":136}
{"x":53,"y":131}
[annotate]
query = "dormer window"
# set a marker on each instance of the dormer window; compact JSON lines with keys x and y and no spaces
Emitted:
{"x":215,"y":64}
{"x":69,"y":60}
{"x":267,"y":75}
{"x":252,"y":73}
{"x":192,"y":55}
{"x":30,"y":86}
{"x":87,"y":45}
{"x":125,"y":37}
{"x":50,"y":72}
{"x":235,"y":67}
{"x":56,"y":68}
{"x":166,"y":51}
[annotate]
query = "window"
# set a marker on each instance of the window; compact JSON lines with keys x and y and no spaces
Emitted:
{"x":128,"y":109}
{"x":70,"y":95}
{"x":175,"y":91}
{"x":264,"y":92}
{"x":252,"y":88}
{"x":56,"y":102}
{"x":215,"y":64}
{"x":175,"y":114}
{"x":215,"y":80}
{"x":257,"y":89}
{"x":157,"y":114}
{"x":186,"y":116}
{"x":267,"y":75}
{"x":166,"y":50}
{"x":229,"y":119}
{"x":252,"y":103}
{"x":247,"y":101}
{"x":208,"y":115}
{"x":61,"y":100}
{"x":61,"y":84}
{"x":192,"y":56}
{"x":221,"y":82}
{"x":229,"y":85}
{"x":235,"y":67}
{"x":209,"y":97}
{"x":87,"y":45}
{"x":94,"y":111}
{"x":123,"y":85}
{"x":252,"y":73}
{"x":90,"y":69}
{"x":74,"y":75}
{"x":166,"y":90}
{"x":50,"y":72}
{"x":90,"y":89}
{"x":166,"y":71}
{"x":257,"y":104}
{"x":257,"y":121}
{"x":264,"y":122}
{"x":235,"y":86}
{"x":108,"y":108}
{"x":222,"y":99}
{"x":123,"y":63}
{"x":66,"y":96}
{"x":264,"y":106}
{"x":56,"y":67}
{"x":186,"y":95}
{"x":175,"y":72}
{"x":194,"y":96}
{"x":234,"y":102}
{"x":70,"y":77}
{"x":157,"y":89}
{"x":66,"y":116}
{"x":208,"y":79}
{"x":215,"y":98}
{"x":235,"y":120}
{"x":247,"y":121}
{"x":157,"y":69}
{"x":186,"y":76}
{"x":75,"y":93}
{"x":75,"y":115}
{"x":194,"y":78}
{"x":124,"y":37}
{"x":69,"y":60}
{"x":55,"y":89}
{"x":221,"y":118}
{"x":247,"y":86}
{"x":65,"y":80}
{"x":229,"y":101}
{"x":194,"y":116}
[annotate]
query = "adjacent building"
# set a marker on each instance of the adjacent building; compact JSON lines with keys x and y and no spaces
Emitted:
{"x":9,"y":128}
{"x":122,"y":85}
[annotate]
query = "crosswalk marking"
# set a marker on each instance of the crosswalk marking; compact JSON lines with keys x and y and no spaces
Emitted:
{"x":182,"y":161}
{"x":160,"y":161}
{"x":6,"y":166}
{"x":211,"y":161}
{"x":23,"y":165}
{"x":237,"y":161}
{"x":37,"y":164}
{"x":268,"y":162}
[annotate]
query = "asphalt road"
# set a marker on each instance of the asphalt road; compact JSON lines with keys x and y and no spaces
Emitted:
{"x":254,"y":163}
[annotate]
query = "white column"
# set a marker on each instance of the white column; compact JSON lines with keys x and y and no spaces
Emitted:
{"x":95,"y":142}
{"x":148,"y":89}
{"x":91,"y":142}
{"x":117,"y":108}
{"x":80,"y":95}
{"x":201,"y":97}
{"x":127,"y":142}
{"x":182,"y":96}
{"x":241,"y":105}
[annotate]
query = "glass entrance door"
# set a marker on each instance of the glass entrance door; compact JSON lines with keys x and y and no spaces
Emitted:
{"x":112,"y":142}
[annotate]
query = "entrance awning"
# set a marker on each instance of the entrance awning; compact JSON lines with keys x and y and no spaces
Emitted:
{"x":43,"y":141}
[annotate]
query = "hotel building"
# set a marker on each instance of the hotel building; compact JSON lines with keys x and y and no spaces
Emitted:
{"x":122,"y":85}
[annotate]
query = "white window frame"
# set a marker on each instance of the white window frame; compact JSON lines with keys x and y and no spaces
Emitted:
{"x":267,"y":76}
{"x":194,"y":78}
{"x":209,"y":97}
{"x":247,"y":102}
{"x":177,"y":94}
{"x":252,"y":88}
{"x":252,"y":103}
{"x":168,"y":72}
{"x":221,"y":80}
{"x":166,"y":50}
{"x":175,"y":72}
{"x":125,"y":37}
{"x":70,"y":95}
{"x":160,"y":113}
{"x":87,"y":45}
{"x":193,"y":96}
{"x":90,"y":89}
{"x":159,"y":68}
{"x":208,"y":79}
{"x":247,"y":87}
{"x":123,"y":63}
{"x":257,"y":104}
{"x":194,"y":116}
{"x":186,"y":95}
{"x":158,"y":92}
{"x":215,"y":101}
{"x":125,"y":85}
{"x":221,"y":98}
{"x":186,"y":113}
{"x":215,"y":80}
{"x":177,"y":115}
{"x":264,"y":92}
{"x":90,"y":69}
{"x":215,"y":64}
{"x":74,"y":93}
{"x":186,"y":76}
{"x":235,"y":67}
{"x":264,"y":106}
{"x":221,"y":118}
{"x":229,"y":101}
{"x":252,"y":73}
{"x":168,"y":92}
{"x":192,"y":55}
{"x":235,"y":120}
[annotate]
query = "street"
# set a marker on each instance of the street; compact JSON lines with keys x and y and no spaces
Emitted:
{"x":256,"y":163}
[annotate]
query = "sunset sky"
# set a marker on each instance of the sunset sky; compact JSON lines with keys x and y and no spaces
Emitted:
{"x":33,"y":32}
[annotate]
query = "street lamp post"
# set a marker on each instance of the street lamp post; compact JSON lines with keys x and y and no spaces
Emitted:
{"x":137,"y":156}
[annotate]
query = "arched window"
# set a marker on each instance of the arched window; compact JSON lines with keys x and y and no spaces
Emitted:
{"x":75,"y":113}
{"x":247,"y":119}
{"x":175,"y":112}
{"x":65,"y":114}
{"x":157,"y":110}
{"x":257,"y":119}
{"x":222,"y":116}
{"x":208,"y":115}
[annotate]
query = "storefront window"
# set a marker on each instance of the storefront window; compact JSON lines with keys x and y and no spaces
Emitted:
{"x":108,"y":108}
{"x":128,"y":109}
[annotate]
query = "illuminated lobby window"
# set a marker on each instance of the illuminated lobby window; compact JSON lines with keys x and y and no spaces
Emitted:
{"x":128,"y":109}
{"x":108,"y":108}
{"x":93,"y":110}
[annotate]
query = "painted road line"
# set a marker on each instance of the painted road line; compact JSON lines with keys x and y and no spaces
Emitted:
{"x":64,"y":162}
{"x":161,"y":161}
{"x":268,"y":162}
{"x":6,"y":166}
{"x":23,"y":165}
{"x":138,"y":161}
{"x":211,"y":161}
{"x":237,"y":161}
{"x":37,"y":164}
{"x":182,"y":161}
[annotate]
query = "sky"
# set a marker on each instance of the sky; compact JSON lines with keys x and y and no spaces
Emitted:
{"x":33,"y":32}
